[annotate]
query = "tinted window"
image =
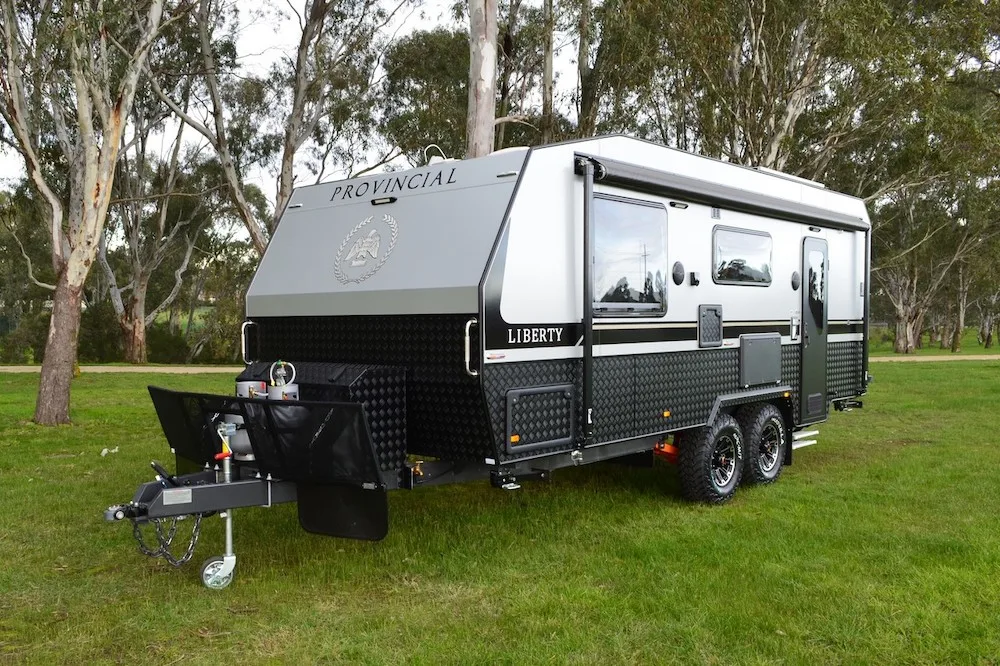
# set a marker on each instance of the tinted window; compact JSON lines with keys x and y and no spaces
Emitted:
{"x":816,"y":288}
{"x":742,"y":257}
{"x":630,"y":256}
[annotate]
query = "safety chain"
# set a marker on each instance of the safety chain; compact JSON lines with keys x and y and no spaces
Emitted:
{"x":166,"y":540}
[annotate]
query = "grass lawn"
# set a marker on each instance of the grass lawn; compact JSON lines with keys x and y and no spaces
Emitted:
{"x":201,"y":313}
{"x":879,"y":545}
{"x":881,"y":347}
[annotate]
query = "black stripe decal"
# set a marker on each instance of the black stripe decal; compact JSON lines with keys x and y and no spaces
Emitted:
{"x":833,"y":329}
{"x":569,"y":334}
{"x":615,"y":336}
{"x":736,"y":331}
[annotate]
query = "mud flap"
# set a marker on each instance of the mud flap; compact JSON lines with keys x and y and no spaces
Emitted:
{"x":343,"y":511}
{"x":325,"y":448}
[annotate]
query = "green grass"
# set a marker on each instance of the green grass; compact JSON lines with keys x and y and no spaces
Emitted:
{"x":879,"y":545}
{"x":880,"y":346}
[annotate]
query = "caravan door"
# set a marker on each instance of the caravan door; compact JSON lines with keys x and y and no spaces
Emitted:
{"x":815,"y":288}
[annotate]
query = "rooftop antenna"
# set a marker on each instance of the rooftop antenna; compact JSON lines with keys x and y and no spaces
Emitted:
{"x":435,"y":159}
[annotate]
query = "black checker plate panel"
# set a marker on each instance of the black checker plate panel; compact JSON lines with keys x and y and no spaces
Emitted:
{"x":383,"y":394}
{"x":709,"y":325}
{"x":614,"y":397}
{"x":689,"y":384}
{"x":445,"y":413}
{"x":543,"y":417}
{"x":632,"y":392}
{"x":498,"y":378}
{"x":791,"y":370}
{"x":843,"y":369}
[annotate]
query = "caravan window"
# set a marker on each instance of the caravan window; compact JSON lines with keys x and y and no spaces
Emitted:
{"x":742,"y":257}
{"x":630,"y":256}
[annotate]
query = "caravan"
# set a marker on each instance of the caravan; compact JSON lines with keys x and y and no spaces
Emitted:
{"x":503,"y":317}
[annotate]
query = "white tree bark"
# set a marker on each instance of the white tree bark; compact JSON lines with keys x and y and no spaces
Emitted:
{"x":480,"y":126}
{"x":961,"y":307}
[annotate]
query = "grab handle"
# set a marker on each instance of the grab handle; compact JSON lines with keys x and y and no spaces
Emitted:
{"x":468,"y":348}
{"x":243,"y":341}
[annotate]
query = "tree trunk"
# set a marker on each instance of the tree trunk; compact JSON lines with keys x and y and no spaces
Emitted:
{"x":174,"y":324}
{"x":133,"y":324}
{"x":500,"y":132}
{"x":963,"y":301}
{"x":900,"y":344}
{"x":589,"y":76}
{"x":947,"y":329}
{"x":547,"y":85}
{"x":52,"y":406}
{"x":908,"y":327}
{"x":481,"y":119}
{"x":134,"y":332}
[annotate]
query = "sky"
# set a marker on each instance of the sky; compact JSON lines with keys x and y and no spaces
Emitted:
{"x":265,"y":38}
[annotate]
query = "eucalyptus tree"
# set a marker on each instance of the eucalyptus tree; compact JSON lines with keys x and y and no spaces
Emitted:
{"x":424,"y":95}
{"x":937,"y":236}
{"x":160,"y":210}
{"x":69,"y":75}
{"x":424,"y":92}
{"x":524,"y":34}
{"x":312,"y":94}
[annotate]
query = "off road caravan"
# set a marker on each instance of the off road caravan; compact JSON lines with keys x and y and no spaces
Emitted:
{"x":503,"y":317}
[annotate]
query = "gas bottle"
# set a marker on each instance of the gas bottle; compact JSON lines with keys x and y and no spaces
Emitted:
{"x":282,"y":386}
{"x":240,"y":441}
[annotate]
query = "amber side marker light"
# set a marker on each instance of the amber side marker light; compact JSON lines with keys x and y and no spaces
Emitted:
{"x":514,"y":439}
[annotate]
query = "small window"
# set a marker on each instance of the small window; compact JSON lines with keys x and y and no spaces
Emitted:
{"x":742,"y":257}
{"x":630,"y":257}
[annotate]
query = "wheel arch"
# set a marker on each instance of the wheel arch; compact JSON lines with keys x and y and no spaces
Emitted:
{"x":779,"y":396}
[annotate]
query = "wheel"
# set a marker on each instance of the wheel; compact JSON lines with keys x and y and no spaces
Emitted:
{"x":766,"y":441}
{"x":210,"y":574}
{"x":710,"y":461}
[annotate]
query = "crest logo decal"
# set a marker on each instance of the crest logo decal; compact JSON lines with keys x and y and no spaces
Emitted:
{"x":365,"y":249}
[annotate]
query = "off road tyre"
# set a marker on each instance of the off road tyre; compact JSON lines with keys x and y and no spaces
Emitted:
{"x":766,"y":440}
{"x":710,"y":461}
